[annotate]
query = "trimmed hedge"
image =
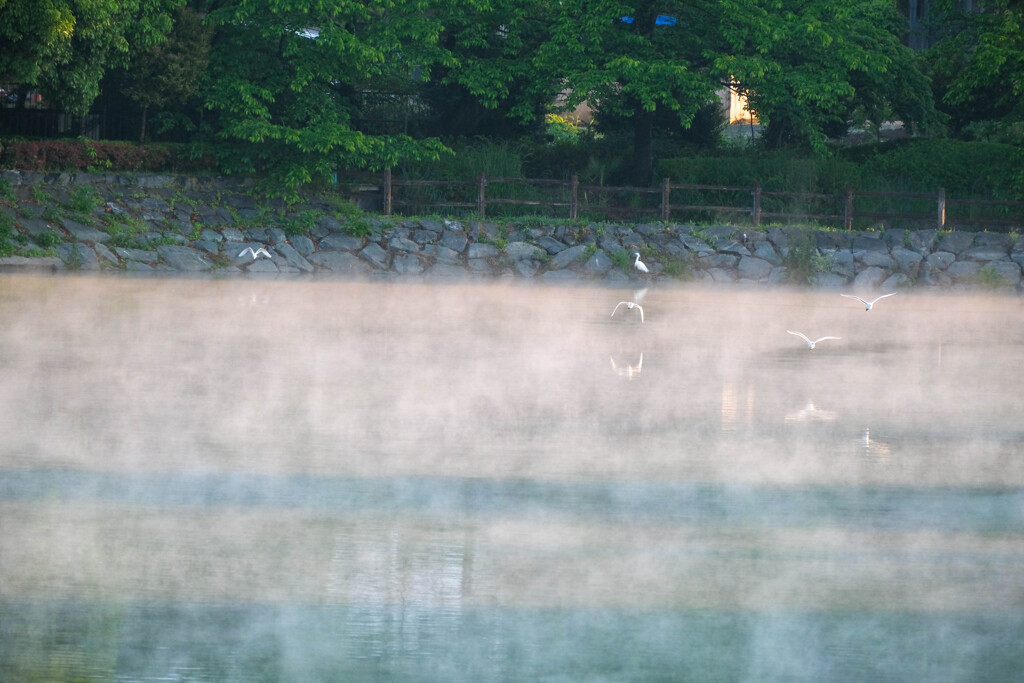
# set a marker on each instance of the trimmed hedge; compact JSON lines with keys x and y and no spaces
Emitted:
{"x":963,"y":169}
{"x":89,"y":155}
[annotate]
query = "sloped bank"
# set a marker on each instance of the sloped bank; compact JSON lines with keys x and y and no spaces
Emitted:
{"x":165,"y":224}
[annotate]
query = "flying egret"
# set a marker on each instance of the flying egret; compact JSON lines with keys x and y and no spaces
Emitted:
{"x":810,"y":344}
{"x":638,"y":264}
{"x":628,"y":371}
{"x":630,"y":305}
{"x":255,"y":254}
{"x":868,"y":304}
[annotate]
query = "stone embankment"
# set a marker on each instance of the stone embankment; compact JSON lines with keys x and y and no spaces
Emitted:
{"x":165,"y":224}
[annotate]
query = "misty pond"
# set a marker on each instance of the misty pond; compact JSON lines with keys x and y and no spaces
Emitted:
{"x":320,"y":480}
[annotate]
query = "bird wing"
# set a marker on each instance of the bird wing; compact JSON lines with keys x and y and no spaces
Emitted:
{"x":824,"y":338}
{"x":802,"y":336}
{"x":617,"y":306}
{"x":261,"y":250}
{"x":851,"y":296}
{"x":247,"y":249}
{"x":639,"y":308}
{"x":640,"y":365}
{"x":885,"y":295}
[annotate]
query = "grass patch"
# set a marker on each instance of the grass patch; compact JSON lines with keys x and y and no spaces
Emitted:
{"x":84,"y":199}
{"x":7,"y":193}
{"x":803,"y":261}
{"x":48,"y":239}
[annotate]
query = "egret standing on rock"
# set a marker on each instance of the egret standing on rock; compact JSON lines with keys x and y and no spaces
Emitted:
{"x":810,"y":344}
{"x":255,"y":254}
{"x":638,"y":264}
{"x":630,"y":305}
{"x":868,"y":304}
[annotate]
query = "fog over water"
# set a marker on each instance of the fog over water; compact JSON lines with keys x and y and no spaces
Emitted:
{"x":213,"y":480}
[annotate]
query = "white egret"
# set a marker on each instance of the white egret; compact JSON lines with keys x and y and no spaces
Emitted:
{"x":255,"y":254}
{"x":868,"y":304}
{"x":810,"y":344}
{"x":638,"y":264}
{"x":630,"y":305}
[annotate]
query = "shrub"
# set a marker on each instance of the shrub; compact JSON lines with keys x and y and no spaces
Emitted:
{"x":83,"y":155}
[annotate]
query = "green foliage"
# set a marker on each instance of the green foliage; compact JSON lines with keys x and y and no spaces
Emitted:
{"x":808,"y":67}
{"x":299,"y":224}
{"x":803,"y":261}
{"x":678,"y":267}
{"x":621,"y":260}
{"x":562,"y":130}
{"x":989,"y":278}
{"x":978,"y":63}
{"x":84,"y":199}
{"x":65,"y":46}
{"x":125,"y":232}
{"x":170,"y":71}
{"x":966,"y":169}
{"x":48,"y":238}
{"x":7,"y":193}
{"x":288,"y":109}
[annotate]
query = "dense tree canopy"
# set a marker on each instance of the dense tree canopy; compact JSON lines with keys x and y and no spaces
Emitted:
{"x":288,"y":80}
{"x":979,"y":61}
{"x":807,"y":65}
{"x":299,"y":88}
{"x":64,"y":47}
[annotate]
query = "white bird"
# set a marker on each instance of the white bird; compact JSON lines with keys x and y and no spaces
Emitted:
{"x":868,"y":304}
{"x":638,"y":264}
{"x":630,"y":370}
{"x":255,"y":254}
{"x":810,"y":344}
{"x":630,"y":305}
{"x":809,"y":413}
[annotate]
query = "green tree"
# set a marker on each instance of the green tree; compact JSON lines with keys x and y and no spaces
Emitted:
{"x":634,"y":59}
{"x":36,"y":34}
{"x":807,"y":66}
{"x":64,"y":47}
{"x":978,"y":61}
{"x":491,"y":86}
{"x":626,"y":59}
{"x":169,"y":72}
{"x":289,"y":81}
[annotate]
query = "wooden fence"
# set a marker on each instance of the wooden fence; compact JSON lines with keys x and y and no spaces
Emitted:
{"x":675,"y":199}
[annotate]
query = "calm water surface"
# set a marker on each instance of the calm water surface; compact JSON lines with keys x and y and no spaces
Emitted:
{"x":245,"y":480}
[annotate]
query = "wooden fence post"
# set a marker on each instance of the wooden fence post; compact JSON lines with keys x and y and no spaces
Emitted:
{"x":942,"y":208}
{"x":574,"y":197}
{"x":481,"y":197}
{"x":665,"y":194}
{"x":848,"y":210}
{"x":387,"y":191}
{"x":757,"y":203}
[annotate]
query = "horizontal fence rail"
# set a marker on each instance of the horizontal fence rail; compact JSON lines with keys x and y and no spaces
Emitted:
{"x":667,"y":200}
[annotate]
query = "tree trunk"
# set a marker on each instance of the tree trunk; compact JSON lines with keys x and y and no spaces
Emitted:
{"x":142,"y":126}
{"x":643,"y":146}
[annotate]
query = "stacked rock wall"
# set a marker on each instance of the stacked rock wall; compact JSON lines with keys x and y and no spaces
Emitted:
{"x":161,"y":224}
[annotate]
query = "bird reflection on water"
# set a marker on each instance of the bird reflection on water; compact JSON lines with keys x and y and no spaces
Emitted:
{"x":627,"y":371}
